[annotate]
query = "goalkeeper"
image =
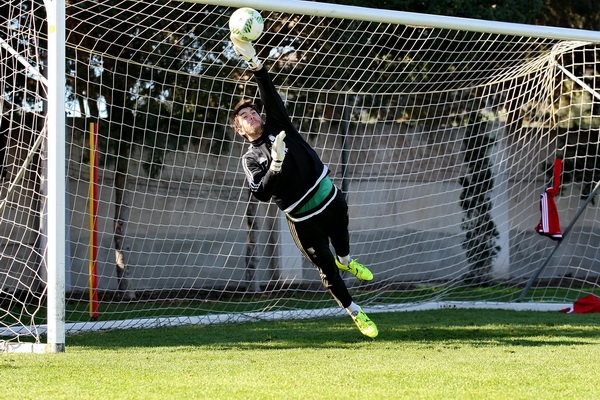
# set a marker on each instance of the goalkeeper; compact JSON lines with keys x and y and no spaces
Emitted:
{"x":281,"y":165}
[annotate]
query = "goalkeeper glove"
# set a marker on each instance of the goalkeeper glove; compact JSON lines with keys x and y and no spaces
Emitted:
{"x":278,"y":152}
{"x":246,"y":51}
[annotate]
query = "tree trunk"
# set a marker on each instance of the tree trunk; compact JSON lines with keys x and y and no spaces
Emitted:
{"x":120,"y":220}
{"x":272,"y":247}
{"x":4,"y":124}
{"x":251,"y":239}
{"x":271,"y":250}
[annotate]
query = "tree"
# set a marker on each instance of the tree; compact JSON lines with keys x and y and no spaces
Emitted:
{"x":581,"y":14}
{"x":476,"y":201}
{"x":156,"y":96}
{"x":493,"y":10}
{"x":23,"y":54}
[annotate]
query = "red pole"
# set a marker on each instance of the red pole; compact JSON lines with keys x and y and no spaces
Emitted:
{"x":93,"y":209}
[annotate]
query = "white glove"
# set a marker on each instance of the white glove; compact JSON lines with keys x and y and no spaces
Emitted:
{"x":278,"y":152}
{"x":246,"y":51}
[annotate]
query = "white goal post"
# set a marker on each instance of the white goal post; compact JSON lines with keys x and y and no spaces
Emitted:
{"x":442,"y":133}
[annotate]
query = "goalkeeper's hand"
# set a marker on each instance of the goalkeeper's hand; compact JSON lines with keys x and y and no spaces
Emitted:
{"x":278,"y":152}
{"x":246,"y":51}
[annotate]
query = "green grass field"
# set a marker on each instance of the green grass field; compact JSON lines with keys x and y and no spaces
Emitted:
{"x":441,"y":354}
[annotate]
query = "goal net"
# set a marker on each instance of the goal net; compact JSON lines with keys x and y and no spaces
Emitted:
{"x":467,"y":151}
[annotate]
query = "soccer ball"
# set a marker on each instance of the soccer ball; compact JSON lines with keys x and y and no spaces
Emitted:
{"x":246,"y":24}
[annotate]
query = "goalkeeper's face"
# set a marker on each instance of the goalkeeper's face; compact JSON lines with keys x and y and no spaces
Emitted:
{"x":249,"y":123}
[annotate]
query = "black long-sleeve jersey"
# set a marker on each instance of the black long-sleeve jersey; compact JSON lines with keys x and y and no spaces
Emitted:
{"x":302,"y":170}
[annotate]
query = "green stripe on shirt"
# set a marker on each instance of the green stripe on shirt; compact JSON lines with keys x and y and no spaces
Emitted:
{"x":325,"y":187}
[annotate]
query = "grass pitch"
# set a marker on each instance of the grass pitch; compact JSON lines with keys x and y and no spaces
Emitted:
{"x":440,"y":354}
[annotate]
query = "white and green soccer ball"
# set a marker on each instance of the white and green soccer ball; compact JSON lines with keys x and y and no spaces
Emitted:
{"x":246,"y":24}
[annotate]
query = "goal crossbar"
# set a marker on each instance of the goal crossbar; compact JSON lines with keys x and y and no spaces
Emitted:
{"x":411,"y":18}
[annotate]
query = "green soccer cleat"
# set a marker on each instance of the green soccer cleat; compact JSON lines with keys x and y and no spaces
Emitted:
{"x":356,"y":269}
{"x":365,"y":325}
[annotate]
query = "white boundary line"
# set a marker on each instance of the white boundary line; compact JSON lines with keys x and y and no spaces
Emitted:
{"x":144,"y":323}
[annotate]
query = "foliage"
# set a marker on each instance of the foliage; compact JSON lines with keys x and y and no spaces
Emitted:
{"x":19,"y":85}
{"x":475,"y":200}
{"x":507,"y":10}
{"x":580,"y":14}
{"x":154,"y":67}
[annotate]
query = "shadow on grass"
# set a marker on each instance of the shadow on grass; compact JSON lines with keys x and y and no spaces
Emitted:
{"x":448,"y":327}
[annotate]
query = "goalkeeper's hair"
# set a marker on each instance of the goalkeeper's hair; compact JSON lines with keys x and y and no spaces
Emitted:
{"x":246,"y":103}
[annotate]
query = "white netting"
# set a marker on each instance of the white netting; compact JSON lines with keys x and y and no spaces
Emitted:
{"x":442,"y":139}
{"x":22,"y":272}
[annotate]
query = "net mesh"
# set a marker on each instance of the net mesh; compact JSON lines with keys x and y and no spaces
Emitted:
{"x":442,"y":140}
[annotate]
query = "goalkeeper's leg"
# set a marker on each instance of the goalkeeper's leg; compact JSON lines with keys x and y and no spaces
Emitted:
{"x":313,"y":242}
{"x":337,"y":230}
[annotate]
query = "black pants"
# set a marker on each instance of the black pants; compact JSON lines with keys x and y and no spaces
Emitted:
{"x":313,"y":236}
